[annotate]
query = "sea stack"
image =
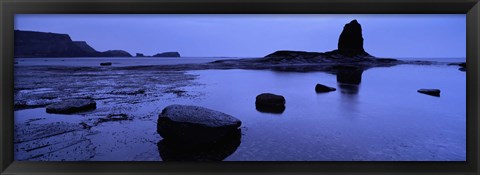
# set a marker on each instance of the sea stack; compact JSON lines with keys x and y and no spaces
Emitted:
{"x":350,"y":42}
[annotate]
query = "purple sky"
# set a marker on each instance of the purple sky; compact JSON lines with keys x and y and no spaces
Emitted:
{"x":398,"y":36}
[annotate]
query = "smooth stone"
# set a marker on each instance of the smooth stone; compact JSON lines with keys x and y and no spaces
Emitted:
{"x":432,"y":92}
{"x":270,"y":103}
{"x":106,"y":64}
{"x":195,"y":126}
{"x":322,"y":88}
{"x":71,"y":106}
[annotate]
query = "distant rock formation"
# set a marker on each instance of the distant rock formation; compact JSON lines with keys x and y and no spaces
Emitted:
{"x":40,"y":44}
{"x":350,"y":42}
{"x":167,"y":54}
{"x":32,"y":44}
{"x":114,"y":53}
{"x":139,"y":55}
{"x":85,"y":47}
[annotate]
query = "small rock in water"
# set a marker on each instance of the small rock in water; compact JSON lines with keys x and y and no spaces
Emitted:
{"x":323,"y":88}
{"x":195,"y":126}
{"x":432,"y":92}
{"x":106,"y":64}
{"x":71,"y":106}
{"x":270,"y":103}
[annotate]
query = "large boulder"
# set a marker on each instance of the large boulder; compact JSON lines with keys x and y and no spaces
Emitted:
{"x":194,"y":126}
{"x":71,"y":106}
{"x":270,"y":103}
{"x":432,"y":92}
{"x":350,"y":42}
{"x":320,"y":88}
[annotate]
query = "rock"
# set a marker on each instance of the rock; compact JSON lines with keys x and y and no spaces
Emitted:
{"x":350,"y":42}
{"x":432,"y":92}
{"x":32,"y":44}
{"x":170,"y":151}
{"x":140,"y":55}
{"x":114,"y":53}
{"x":72,"y":106}
{"x":194,"y":126}
{"x":41,"y":44}
{"x":322,"y":88}
{"x":270,"y":103}
{"x":106,"y":64}
{"x":167,"y":54}
{"x":85,"y":47}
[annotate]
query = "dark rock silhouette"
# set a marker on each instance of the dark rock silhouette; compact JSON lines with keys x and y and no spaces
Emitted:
{"x":270,"y":103}
{"x":32,"y":44}
{"x":194,"y":126}
{"x":171,"y":151}
{"x":71,"y":106}
{"x":432,"y":92}
{"x":319,"y":88}
{"x":106,"y":64}
{"x":350,"y":42}
{"x":85,"y":47}
{"x":40,"y":44}
{"x":114,"y":53}
{"x":167,"y":54}
{"x":140,"y":55}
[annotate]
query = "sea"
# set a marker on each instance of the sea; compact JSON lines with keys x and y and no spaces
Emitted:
{"x":383,"y":118}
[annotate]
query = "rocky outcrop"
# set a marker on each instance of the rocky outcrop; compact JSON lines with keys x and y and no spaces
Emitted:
{"x":85,"y":47}
{"x":350,"y":42}
{"x":270,"y":103}
{"x":31,"y":44}
{"x":194,"y":126}
{"x":432,"y":92}
{"x":320,"y":88}
{"x":71,"y":106}
{"x":167,"y":54}
{"x":39,"y":44}
{"x":114,"y":53}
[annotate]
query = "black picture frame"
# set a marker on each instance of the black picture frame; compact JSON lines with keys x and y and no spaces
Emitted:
{"x":9,"y":8}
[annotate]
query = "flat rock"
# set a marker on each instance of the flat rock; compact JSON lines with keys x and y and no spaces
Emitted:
{"x":106,"y":64}
{"x":432,"y":92}
{"x":72,"y":106}
{"x":194,"y":126}
{"x":322,"y":88}
{"x":270,"y":103}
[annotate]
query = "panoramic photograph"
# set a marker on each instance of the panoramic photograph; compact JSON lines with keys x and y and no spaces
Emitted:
{"x":240,"y":87}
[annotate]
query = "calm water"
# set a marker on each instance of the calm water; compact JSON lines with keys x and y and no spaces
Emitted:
{"x":383,"y":118}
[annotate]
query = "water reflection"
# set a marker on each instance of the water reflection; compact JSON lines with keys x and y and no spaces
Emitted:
{"x":349,"y":81}
{"x":270,"y":109}
{"x":170,"y":151}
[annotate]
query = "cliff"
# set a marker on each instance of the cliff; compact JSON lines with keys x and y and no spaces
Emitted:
{"x":31,"y":44}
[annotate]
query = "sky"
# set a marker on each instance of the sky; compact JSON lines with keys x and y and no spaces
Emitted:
{"x":235,"y":35}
